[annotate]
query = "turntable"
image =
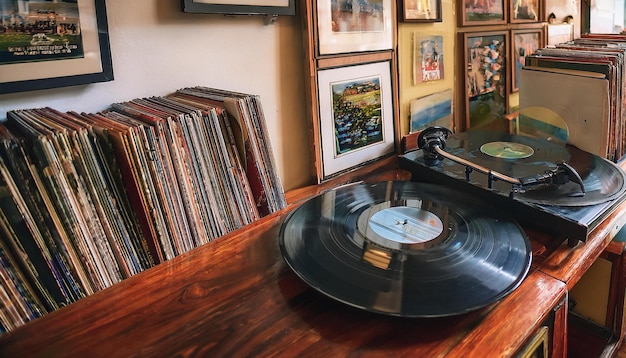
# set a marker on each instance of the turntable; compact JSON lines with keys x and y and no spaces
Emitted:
{"x":551,"y":186}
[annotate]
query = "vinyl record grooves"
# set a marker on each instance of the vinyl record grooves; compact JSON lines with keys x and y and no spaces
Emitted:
{"x":405,"y":249}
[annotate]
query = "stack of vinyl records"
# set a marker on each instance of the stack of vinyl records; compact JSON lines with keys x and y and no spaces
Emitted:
{"x":576,"y":91}
{"x":89,"y":199}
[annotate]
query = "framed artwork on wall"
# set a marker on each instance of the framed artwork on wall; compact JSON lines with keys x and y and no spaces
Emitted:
{"x":54,"y":44}
{"x":431,"y":110}
{"x":427,"y":58}
{"x":524,"y":42}
{"x":241,"y":7}
{"x":525,"y":11}
{"x":483,"y":12}
{"x":356,"y":119}
{"x":420,"y":10}
{"x":347,"y":26}
{"x":486,"y":76}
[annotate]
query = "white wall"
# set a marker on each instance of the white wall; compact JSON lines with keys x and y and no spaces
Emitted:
{"x":156,"y":49}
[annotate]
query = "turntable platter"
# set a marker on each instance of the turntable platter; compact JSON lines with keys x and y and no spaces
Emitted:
{"x":525,"y":156}
{"x":405,"y":249}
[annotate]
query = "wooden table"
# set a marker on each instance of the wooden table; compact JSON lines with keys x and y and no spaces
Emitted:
{"x":236,"y":297}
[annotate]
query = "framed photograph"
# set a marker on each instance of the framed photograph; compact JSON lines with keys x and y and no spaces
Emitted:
{"x":356,"y":118}
{"x":524,"y":42}
{"x":346,"y":26}
{"x":559,"y":33}
{"x":427,"y":58}
{"x":485,"y":85}
{"x":241,"y":7}
{"x":523,"y":11}
{"x":53,"y":44}
{"x":483,"y":12}
{"x":420,"y":10}
{"x":431,"y":110}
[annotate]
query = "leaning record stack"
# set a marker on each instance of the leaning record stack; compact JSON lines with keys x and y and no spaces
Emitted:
{"x":405,"y":249}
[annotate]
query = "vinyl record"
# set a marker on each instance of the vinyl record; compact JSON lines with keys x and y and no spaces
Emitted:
{"x":525,"y":156}
{"x":405,"y":249}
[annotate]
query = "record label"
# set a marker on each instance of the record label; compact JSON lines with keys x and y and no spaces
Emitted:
{"x":405,"y":249}
{"x":507,"y":150}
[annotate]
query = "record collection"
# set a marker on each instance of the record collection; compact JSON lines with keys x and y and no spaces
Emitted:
{"x":553,"y":78}
{"x":89,"y":199}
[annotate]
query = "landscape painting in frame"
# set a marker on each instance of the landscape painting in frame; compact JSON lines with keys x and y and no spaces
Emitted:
{"x":482,"y":12}
{"x":346,"y":26}
{"x":428,"y":58}
{"x":45,"y":44}
{"x":431,"y":110}
{"x":356,"y":115}
{"x":486,"y":76}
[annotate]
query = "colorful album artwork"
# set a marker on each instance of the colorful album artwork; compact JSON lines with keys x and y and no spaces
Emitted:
{"x":431,"y":110}
{"x":524,"y":43}
{"x":357,"y":110}
{"x":428,"y":58}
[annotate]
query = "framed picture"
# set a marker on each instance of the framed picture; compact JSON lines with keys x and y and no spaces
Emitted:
{"x":524,"y":42}
{"x":241,"y":7}
{"x":482,"y":12}
{"x":559,"y":33}
{"x":345,"y":26}
{"x":427,"y":58}
{"x":525,"y":11}
{"x":485,"y":85}
{"x":53,"y":44}
{"x":420,"y":10}
{"x":431,"y":110}
{"x":356,"y":120}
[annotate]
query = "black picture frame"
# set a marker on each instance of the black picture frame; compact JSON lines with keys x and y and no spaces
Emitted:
{"x":64,"y":72}
{"x":238,"y":7}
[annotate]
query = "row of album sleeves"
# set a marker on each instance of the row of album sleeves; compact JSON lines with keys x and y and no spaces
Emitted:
{"x":89,"y":199}
{"x":583,"y":82}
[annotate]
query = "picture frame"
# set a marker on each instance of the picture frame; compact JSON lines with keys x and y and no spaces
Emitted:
{"x":356,"y":117}
{"x":428,"y":55}
{"x":342,"y":29}
{"x":525,"y":11}
{"x":240,"y":7}
{"x":524,"y":42}
{"x":485,"y":76}
{"x":70,"y":47}
{"x":420,"y":10}
{"x":482,"y":12}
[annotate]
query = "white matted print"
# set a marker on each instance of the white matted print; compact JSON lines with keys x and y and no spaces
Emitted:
{"x":356,"y":115}
{"x":346,"y":26}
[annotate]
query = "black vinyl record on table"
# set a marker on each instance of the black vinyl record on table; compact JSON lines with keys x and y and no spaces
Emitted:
{"x":405,"y":249}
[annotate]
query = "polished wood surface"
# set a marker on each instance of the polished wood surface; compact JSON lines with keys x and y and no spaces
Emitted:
{"x":236,"y":297}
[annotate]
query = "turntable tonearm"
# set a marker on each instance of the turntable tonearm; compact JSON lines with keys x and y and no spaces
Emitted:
{"x":551,"y":186}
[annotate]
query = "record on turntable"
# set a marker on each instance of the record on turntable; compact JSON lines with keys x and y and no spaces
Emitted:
{"x":549,"y":184}
{"x":405,"y":249}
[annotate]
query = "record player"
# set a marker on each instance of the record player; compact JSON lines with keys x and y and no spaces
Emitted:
{"x":548,"y":185}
